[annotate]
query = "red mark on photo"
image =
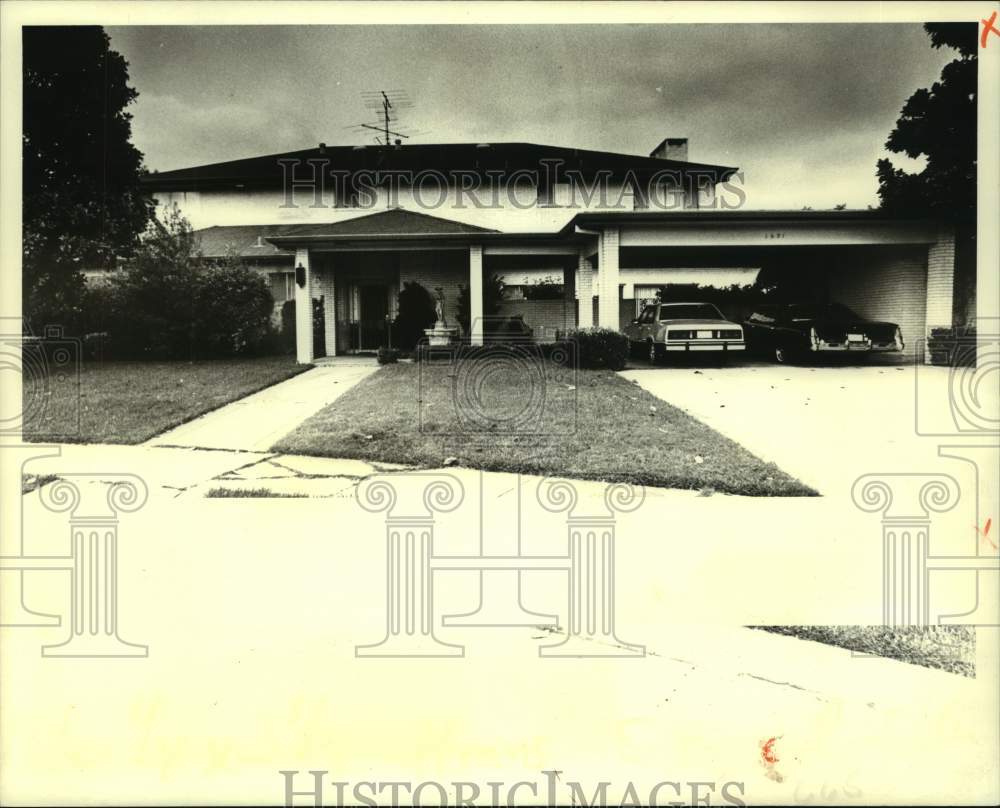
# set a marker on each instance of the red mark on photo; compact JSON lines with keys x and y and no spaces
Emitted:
{"x":985,"y":533}
{"x":988,"y":27}
{"x":767,"y":751}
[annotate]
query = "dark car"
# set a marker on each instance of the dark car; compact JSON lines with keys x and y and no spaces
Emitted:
{"x":792,"y":331}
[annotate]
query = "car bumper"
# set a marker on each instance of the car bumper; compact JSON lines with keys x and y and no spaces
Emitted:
{"x":705,"y":345}
{"x":857,"y":347}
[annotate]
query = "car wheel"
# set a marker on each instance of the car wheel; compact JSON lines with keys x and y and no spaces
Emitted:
{"x":654,"y":354}
{"x":782,"y":355}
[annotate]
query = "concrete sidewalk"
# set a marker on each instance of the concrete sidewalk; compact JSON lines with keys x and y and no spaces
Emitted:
{"x":256,"y":422}
{"x":252,"y":611}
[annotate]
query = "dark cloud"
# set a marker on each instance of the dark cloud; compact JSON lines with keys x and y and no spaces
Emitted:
{"x":804,"y":110}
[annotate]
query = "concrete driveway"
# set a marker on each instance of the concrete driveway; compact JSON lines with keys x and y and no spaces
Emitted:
{"x":825,"y":425}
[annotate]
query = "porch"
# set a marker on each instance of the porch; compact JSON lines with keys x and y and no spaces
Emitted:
{"x":348,"y":275}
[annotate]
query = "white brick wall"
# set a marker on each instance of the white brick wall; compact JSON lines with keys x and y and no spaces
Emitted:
{"x":886,"y":283}
{"x":607,"y":279}
{"x":323,"y":284}
{"x":940,"y":281}
{"x":447,"y":269}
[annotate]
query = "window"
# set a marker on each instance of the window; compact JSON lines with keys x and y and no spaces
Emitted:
{"x":648,"y":315}
{"x":282,"y":286}
{"x":690,"y":311}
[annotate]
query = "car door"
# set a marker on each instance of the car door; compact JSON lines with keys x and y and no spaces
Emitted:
{"x":638,"y":330}
{"x":759,"y":328}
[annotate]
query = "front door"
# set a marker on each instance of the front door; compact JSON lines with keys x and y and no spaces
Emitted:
{"x":373,"y":304}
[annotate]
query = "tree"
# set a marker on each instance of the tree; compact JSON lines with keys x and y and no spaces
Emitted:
{"x":492,"y":298}
{"x":939,"y":124}
{"x":158,"y":293}
{"x":169,"y":302}
{"x":82,"y":206}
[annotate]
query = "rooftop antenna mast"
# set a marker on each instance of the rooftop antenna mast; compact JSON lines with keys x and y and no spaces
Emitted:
{"x":386,"y":104}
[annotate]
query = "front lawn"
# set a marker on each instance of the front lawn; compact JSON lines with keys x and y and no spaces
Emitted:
{"x":503,"y":417}
{"x":130,"y":402}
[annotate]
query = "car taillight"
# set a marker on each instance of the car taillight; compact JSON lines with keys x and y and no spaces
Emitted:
{"x":680,"y":335}
{"x":814,"y":339}
{"x":899,"y":339}
{"x":730,"y":333}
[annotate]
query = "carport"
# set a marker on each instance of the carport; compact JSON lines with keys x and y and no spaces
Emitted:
{"x":884,"y":269}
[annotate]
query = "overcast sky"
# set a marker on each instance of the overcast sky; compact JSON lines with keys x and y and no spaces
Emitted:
{"x":803,"y":110}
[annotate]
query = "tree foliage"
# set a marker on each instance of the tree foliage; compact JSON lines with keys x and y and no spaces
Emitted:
{"x":938,"y":124}
{"x":547,"y":288}
{"x":82,"y":206}
{"x":493,"y":286}
{"x":169,"y":302}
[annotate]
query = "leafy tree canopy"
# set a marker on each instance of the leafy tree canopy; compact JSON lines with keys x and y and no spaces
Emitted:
{"x":82,"y":205}
{"x":939,"y":124}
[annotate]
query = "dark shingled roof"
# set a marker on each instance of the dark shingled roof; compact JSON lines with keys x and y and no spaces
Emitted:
{"x":267,"y":171}
{"x":392,"y":222}
{"x":247,"y":241}
{"x":250,"y":241}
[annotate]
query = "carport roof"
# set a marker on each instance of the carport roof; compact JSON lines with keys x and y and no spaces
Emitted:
{"x":615,"y":216}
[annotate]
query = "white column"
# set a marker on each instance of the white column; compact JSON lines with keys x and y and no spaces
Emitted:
{"x":323,"y":284}
{"x":303,"y":311}
{"x":585,"y":293}
{"x":476,"y":293}
{"x":607,"y":282}
{"x":940,"y":284}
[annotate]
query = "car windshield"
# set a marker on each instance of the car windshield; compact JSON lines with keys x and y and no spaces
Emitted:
{"x":820,"y":311}
{"x":689,"y":311}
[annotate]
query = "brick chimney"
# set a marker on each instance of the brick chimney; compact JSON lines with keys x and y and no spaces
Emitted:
{"x":672,"y":148}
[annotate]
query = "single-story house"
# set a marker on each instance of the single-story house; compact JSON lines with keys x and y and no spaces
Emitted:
{"x":347,"y":226}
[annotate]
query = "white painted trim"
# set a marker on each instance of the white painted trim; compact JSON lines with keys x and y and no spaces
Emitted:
{"x":608,"y":279}
{"x":569,"y":249}
{"x":773,"y":234}
{"x":476,"y":293}
{"x":303,"y":312}
{"x":585,"y":292}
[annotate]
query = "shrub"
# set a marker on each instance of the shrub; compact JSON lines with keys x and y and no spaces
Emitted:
{"x":168,"y":302}
{"x":548,"y":288}
{"x":600,"y":348}
{"x":416,"y":312}
{"x":233,"y":311}
{"x":387,"y":356}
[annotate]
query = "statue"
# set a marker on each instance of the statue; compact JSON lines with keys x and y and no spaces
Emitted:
{"x":440,"y":334}
{"x":439,"y":307}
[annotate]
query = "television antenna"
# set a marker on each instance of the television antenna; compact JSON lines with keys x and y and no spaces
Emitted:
{"x":387,"y":105}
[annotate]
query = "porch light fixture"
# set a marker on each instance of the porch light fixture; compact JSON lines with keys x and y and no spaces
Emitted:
{"x":300,"y":276}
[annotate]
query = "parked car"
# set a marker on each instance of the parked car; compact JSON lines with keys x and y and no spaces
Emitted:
{"x":664,"y":328}
{"x":793,"y":331}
